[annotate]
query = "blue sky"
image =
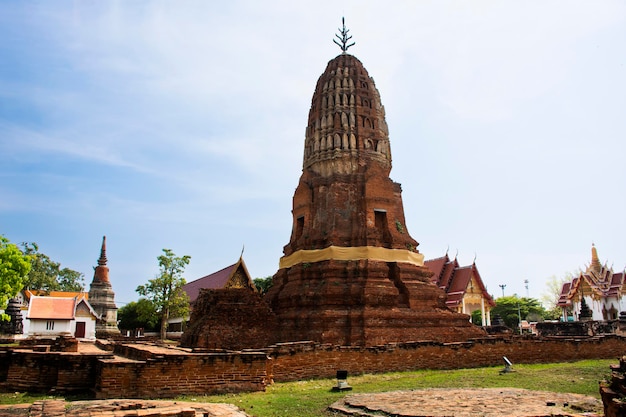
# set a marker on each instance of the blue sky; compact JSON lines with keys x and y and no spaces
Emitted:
{"x":181,"y":125}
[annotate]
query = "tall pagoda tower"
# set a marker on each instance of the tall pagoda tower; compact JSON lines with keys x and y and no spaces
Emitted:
{"x":102,"y":297}
{"x":351,"y":274}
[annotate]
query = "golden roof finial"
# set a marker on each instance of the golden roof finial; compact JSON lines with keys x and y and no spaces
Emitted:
{"x":595,"y":261}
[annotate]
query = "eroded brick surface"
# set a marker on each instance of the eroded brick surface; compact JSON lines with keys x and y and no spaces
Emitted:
{"x":490,"y":402}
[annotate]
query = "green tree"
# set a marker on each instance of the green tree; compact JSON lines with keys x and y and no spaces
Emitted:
{"x":165,"y":291}
{"x":511,"y":308}
{"x":47,"y":275}
{"x":14,"y":266}
{"x":477,"y":317}
{"x":263,"y":284}
{"x":139,"y":314}
{"x":551,"y":296}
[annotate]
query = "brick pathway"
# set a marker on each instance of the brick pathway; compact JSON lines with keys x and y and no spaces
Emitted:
{"x":120,"y":408}
{"x":488,"y":402}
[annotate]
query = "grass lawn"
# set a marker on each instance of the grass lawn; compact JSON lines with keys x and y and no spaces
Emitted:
{"x":311,"y":398}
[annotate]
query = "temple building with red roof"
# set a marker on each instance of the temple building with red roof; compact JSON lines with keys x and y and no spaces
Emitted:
{"x":602,"y":289}
{"x":232,"y":276}
{"x":227,"y":312}
{"x":463,"y":286}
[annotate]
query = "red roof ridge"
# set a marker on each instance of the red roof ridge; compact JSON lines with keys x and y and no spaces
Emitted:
{"x":214,"y":273}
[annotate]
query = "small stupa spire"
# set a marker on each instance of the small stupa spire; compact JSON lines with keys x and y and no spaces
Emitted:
{"x":344,"y":38}
{"x":101,"y":272}
{"x":595,"y":261}
{"x":102,"y":261}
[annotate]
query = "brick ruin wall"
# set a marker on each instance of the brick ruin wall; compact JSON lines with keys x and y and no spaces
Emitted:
{"x":173,"y":375}
{"x":578,"y":328}
{"x":185,"y":372}
{"x":47,"y":371}
{"x":296,"y":361}
{"x":156,"y":376}
{"x":613,"y":390}
{"x":220,"y":316}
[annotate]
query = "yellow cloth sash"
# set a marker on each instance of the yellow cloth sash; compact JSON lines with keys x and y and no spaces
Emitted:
{"x":352,"y":254}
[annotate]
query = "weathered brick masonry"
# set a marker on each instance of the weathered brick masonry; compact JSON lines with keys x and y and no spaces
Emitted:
{"x":155,"y":372}
{"x":296,"y":361}
{"x":146,"y":372}
{"x":613,"y":391}
{"x":186,"y":373}
{"x":49,"y":371}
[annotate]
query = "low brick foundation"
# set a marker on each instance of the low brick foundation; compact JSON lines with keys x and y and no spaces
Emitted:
{"x":153,"y":371}
{"x":177,"y":374}
{"x":306,"y":360}
{"x":49,"y":371}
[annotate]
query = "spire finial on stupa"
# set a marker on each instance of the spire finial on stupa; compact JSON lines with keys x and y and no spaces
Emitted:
{"x":344,"y":38}
{"x":102,"y":261}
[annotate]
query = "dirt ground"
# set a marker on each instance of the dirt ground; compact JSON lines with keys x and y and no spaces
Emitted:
{"x":484,"y":402}
{"x":488,"y":402}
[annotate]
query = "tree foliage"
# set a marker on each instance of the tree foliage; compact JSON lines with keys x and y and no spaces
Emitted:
{"x":511,"y":308}
{"x":477,"y":317}
{"x":554,"y":285}
{"x":47,"y":275}
{"x":14,"y":266}
{"x":263,"y":284}
{"x":165,"y":291}
{"x":139,"y":314}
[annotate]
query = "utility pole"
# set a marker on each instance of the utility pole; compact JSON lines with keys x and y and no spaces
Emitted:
{"x":526,"y":282}
{"x":519,"y":316}
{"x":502,"y":286}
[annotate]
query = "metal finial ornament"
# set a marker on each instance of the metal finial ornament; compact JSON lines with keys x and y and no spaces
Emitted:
{"x":102,"y":261}
{"x":344,"y":38}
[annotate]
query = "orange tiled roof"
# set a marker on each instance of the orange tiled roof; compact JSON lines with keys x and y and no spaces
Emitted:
{"x":59,"y":308}
{"x":30,"y":293}
{"x":78,"y":294}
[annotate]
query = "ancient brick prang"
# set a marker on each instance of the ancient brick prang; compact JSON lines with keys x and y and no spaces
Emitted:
{"x":229,"y":318}
{"x":351,"y":273}
{"x":345,"y":196}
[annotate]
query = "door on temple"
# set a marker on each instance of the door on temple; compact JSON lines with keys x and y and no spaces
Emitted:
{"x":80,"y":329}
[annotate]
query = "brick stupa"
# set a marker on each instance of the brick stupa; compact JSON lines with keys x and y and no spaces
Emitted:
{"x":351,"y":274}
{"x":102,"y":298}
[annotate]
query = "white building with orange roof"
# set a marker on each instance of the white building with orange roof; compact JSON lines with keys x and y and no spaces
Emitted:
{"x":60,"y":316}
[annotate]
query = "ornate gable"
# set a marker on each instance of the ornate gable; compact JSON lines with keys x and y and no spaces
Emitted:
{"x":598,"y":281}
{"x":240,"y":278}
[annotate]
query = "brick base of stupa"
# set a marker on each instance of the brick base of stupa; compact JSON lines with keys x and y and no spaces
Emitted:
{"x":363,"y":303}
